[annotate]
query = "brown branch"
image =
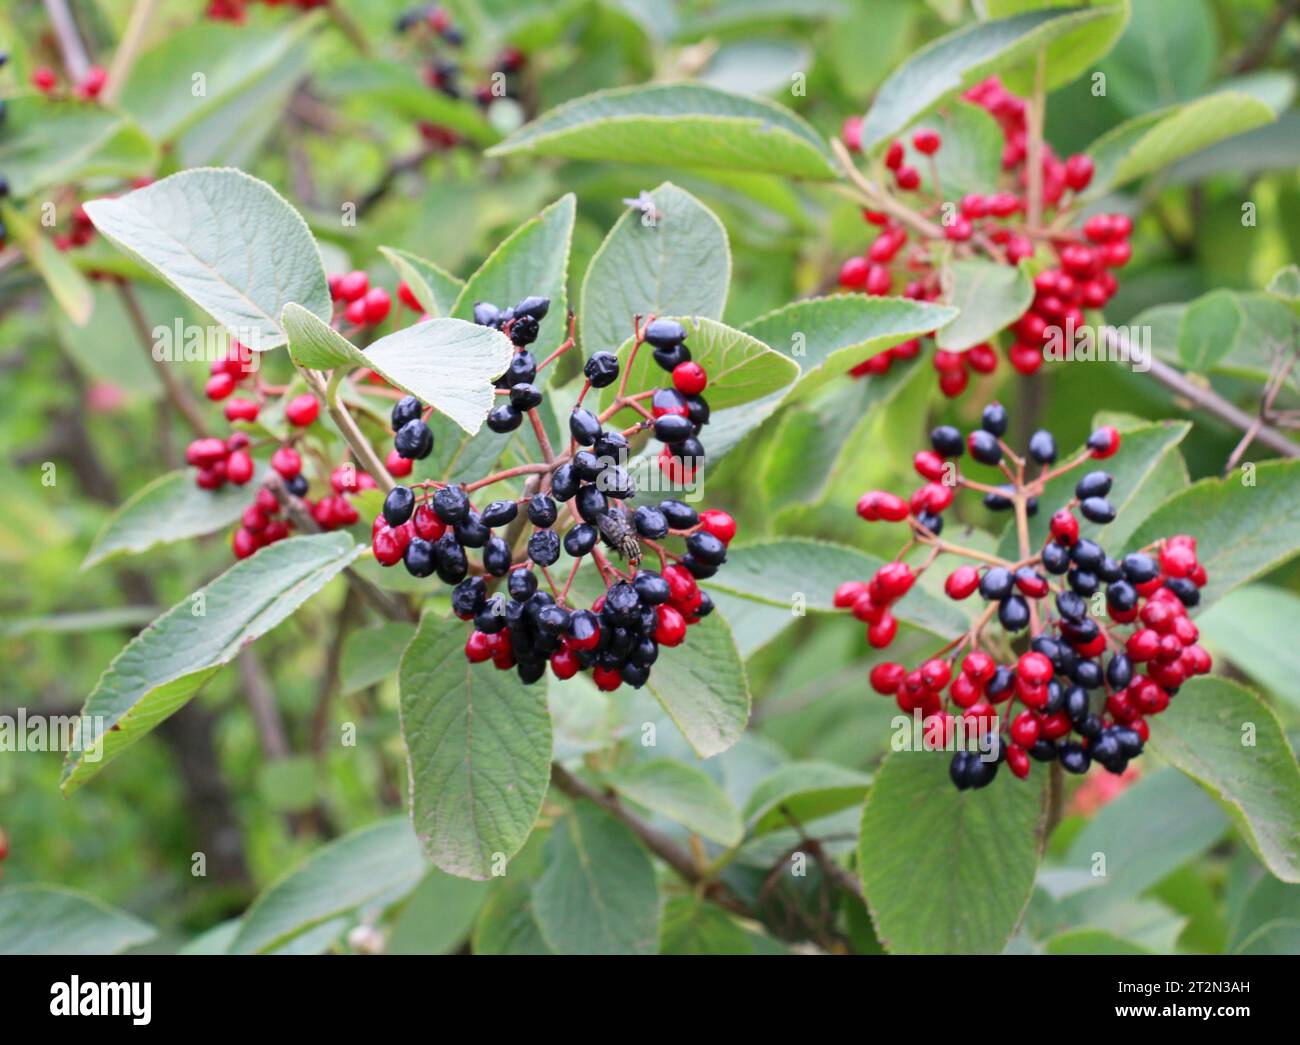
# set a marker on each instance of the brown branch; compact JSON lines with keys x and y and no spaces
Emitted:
{"x":658,"y":843}
{"x":177,"y":393}
{"x":75,"y":59}
{"x":1256,"y":54}
{"x":128,"y":48}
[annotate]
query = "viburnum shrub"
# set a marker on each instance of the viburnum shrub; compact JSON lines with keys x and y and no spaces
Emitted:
{"x":909,"y":253}
{"x":1084,"y":685}
{"x":430,"y":527}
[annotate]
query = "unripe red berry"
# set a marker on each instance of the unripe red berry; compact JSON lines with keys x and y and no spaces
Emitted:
{"x":302,"y":410}
{"x":671,"y":627}
{"x":853,"y":273}
{"x":851,"y":133}
{"x":878,"y":281}
{"x":928,"y":465}
{"x":895,"y":579}
{"x":607,"y":679}
{"x":1017,"y":761}
{"x":848,"y":593}
{"x":239,"y":467}
{"x":894,"y":155}
{"x":882,"y":633}
{"x":908,"y":178}
{"x":1034,"y":667}
{"x":243,"y":543}
{"x":564,"y":662}
{"x":982,"y":358}
{"x":478,"y":647}
{"x":936,"y":672}
{"x":219,"y":386}
{"x":407,"y":296}
{"x":886,"y":677}
{"x":690,"y":378}
{"x":240,"y":410}
{"x":43,"y":79}
{"x":718,"y":523}
{"x":397,"y":465}
{"x":377,"y":304}
{"x":1025,"y":729}
{"x":286,"y":462}
{"x":1064,"y":527}
{"x":961,"y":582}
{"x":927,"y":142}
{"x":353,"y":285}
{"x":1078,"y":171}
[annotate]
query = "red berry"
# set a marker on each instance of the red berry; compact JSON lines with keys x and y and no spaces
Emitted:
{"x":407,"y":297}
{"x":302,"y":410}
{"x":886,"y":677}
{"x":1017,"y":761}
{"x":908,"y":178}
{"x":681,"y":584}
{"x":718,"y":523}
{"x":478,"y":647}
{"x":851,"y":133}
{"x":356,"y":312}
{"x":853,"y":273}
{"x":286,"y":462}
{"x":982,"y":358}
{"x":894,"y":155}
{"x":879,"y":281}
{"x":219,"y":386}
{"x":378,"y":304}
{"x":397,"y":465}
{"x":93,"y":82}
{"x":1104,"y":442}
{"x":607,"y":679}
{"x":882,"y":633}
{"x":689,"y":378}
{"x":1025,"y":729}
{"x":353,"y":285}
{"x":205,"y":451}
{"x":240,"y":410}
{"x":952,"y":383}
{"x":936,"y":672}
{"x":895,"y":579}
{"x":239,"y":467}
{"x":243,"y":543}
{"x":565,"y":663}
{"x":848,"y":593}
{"x":671,"y":628}
{"x":926,"y":142}
{"x":1035,"y":668}
{"x":1078,"y":171}
{"x":43,"y":78}
{"x":962,"y":582}
{"x":978,"y":666}
{"x":388,"y":548}
{"x":1064,"y":527}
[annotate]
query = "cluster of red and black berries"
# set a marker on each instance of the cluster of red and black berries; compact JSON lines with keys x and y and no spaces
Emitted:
{"x":1085,"y":690}
{"x":994,"y":225}
{"x":444,"y":69}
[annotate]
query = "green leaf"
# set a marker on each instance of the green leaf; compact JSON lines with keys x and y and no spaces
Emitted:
{"x":1139,"y":849}
{"x":434,"y":288}
{"x":990,"y":296}
{"x":109,"y":619}
{"x":1166,"y":55}
{"x":228,"y":242}
{"x":1092,"y":941}
{"x":171,"y":508}
{"x":371,"y":655}
{"x":167,"y":663}
{"x":107,"y":348}
{"x":1268,"y":921}
{"x":1254,"y":627}
{"x":448,"y":363}
{"x":741,"y":368}
{"x":682,"y":793}
{"x":677,"y":125}
{"x":777,"y":572}
{"x":1210,"y":325}
{"x":1073,"y":53}
{"x":534,"y":259}
{"x":48,"y":919}
{"x":695,"y":926}
{"x":676,"y":264}
{"x":1149,"y":142}
{"x":379,"y":862}
{"x":827,"y":336}
{"x":971,"y":157}
{"x":65,"y":282}
{"x":956,"y":61}
{"x":1230,"y":742}
{"x":478,"y":752}
{"x":397,"y":87}
{"x":1285,"y":285}
{"x":163,"y":91}
{"x":598,"y":893}
{"x":49,"y":142}
{"x":438,"y":916}
{"x":948,"y":871}
{"x":800,"y":792}
{"x":1143,"y":453}
{"x":1241,"y":531}
{"x":1274,"y":146}
{"x":702,"y":686}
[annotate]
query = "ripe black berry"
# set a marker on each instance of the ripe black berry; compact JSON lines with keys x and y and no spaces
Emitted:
{"x":652,"y":588}
{"x":1121,"y":596}
{"x":673,"y":428}
{"x":1188,"y":593}
{"x":544,"y":547}
{"x":468,"y":597}
{"x":1083,"y":581}
{"x":491,"y":616}
{"x":564,"y":483}
{"x":601,"y":369}
{"x":590,"y":503}
{"x":525,"y":396}
{"x":470,"y":531}
{"x":581,"y":539}
{"x":522,"y":370}
{"x":586,"y":466}
{"x":706,"y":548}
{"x":1042,"y":446}
{"x":408,"y":408}
{"x":1098,"y":510}
{"x":1087,"y":555}
{"x":452,"y":563}
{"x":521,"y":584}
{"x":496,"y":557}
{"x":542,"y":510}
{"x":504,"y":418}
{"x":994,"y":419}
{"x":524,"y":330}
{"x":1140,"y":568}
{"x":451,"y":504}
{"x":398,"y":505}
{"x":414,"y":440}
{"x":1074,"y":759}
{"x":1013,"y":613}
{"x":664,"y":333}
{"x":996,"y":583}
{"x":297,"y":485}
{"x":984,"y":447}
{"x":584,"y":426}
{"x":947,"y":441}
{"x":486,"y":314}
{"x":650,"y":522}
{"x":1094,"y":484}
{"x":1056,"y":558}
{"x":419,"y":558}
{"x":680,"y":516}
{"x":534,"y":307}
{"x":499,"y":513}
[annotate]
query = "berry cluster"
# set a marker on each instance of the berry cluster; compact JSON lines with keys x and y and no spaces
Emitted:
{"x":237,"y":10}
{"x":430,"y":527}
{"x":363,"y":305}
{"x":1080,"y":276}
{"x":88,"y":88}
{"x":443,"y":69}
{"x":1076,"y":674}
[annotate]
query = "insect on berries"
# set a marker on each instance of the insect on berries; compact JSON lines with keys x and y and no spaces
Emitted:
{"x":498,"y":554}
{"x":1091,"y":644}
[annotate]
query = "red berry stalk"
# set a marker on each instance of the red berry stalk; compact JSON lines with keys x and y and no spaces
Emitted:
{"x":1063,"y":680}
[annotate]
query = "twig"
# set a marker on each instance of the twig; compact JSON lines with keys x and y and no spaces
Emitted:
{"x":347,"y":426}
{"x":1260,"y":48}
{"x":73,"y":50}
{"x":658,"y":843}
{"x":880,"y":199}
{"x":1205,"y":398}
{"x":177,"y":393}
{"x":128,"y":48}
{"x":1034,"y":141}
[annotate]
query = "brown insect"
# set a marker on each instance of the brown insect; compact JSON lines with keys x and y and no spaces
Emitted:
{"x":617,"y":530}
